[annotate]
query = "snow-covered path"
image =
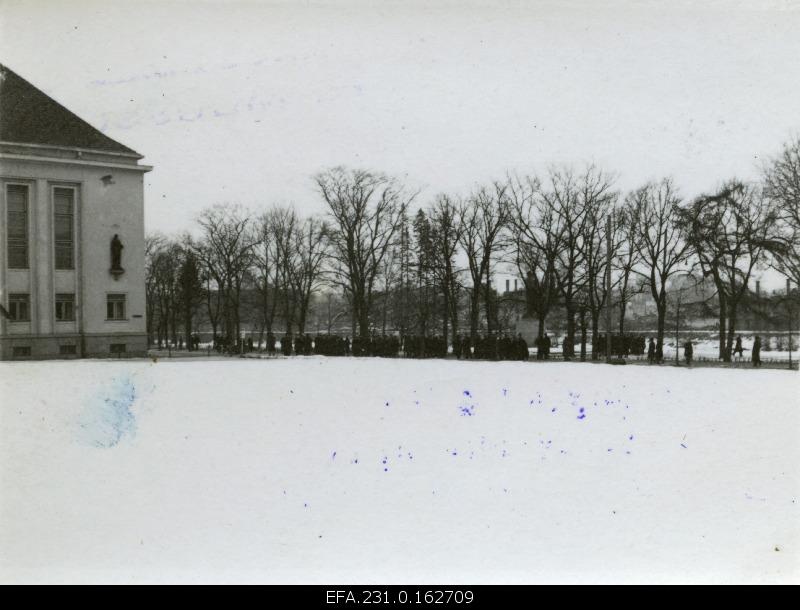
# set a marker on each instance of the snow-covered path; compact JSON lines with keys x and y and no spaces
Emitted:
{"x":349,"y":470}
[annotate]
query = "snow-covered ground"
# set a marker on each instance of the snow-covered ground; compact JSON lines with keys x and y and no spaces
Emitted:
{"x":368,"y":470}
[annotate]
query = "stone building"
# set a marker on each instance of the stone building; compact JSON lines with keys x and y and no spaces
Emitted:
{"x":72,"y":248}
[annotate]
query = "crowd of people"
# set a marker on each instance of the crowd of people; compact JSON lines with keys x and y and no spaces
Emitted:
{"x":655,"y":354}
{"x":482,"y":347}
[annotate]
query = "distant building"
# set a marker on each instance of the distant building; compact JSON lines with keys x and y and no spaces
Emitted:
{"x":72,"y":254}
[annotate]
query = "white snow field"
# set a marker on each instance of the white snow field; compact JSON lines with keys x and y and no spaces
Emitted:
{"x":318,"y":470}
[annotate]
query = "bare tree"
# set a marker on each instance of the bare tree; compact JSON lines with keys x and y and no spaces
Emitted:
{"x":366,"y":211}
{"x":190,"y":290}
{"x":627,"y":256}
{"x":484,"y":216}
{"x":662,"y":247}
{"x":731,"y":232}
{"x":306,"y":274}
{"x":154,"y":244}
{"x":226,"y":254}
{"x":564,"y":195}
{"x":782,"y":187}
{"x":424,"y":271}
{"x":446,"y":230}
{"x":536,"y":234}
{"x":598,"y":201}
{"x":266,"y":271}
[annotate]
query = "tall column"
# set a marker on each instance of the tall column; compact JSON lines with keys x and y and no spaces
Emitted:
{"x":42,"y":246}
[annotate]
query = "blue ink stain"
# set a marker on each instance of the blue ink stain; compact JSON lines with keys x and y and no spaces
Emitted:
{"x":684,"y":446}
{"x":333,"y":457}
{"x":553,"y":410}
{"x":630,"y":438}
{"x":108,"y":417}
{"x":466,"y":393}
{"x":505,"y":391}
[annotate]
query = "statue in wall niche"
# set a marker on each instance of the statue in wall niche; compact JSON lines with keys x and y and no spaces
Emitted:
{"x":116,"y":254}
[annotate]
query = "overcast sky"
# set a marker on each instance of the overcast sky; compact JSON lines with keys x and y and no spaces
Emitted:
{"x":245,"y":101}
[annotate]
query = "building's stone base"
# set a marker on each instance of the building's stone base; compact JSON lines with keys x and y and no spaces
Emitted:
{"x":69,"y":347}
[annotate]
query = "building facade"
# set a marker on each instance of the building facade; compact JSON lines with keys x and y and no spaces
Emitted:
{"x":72,"y":247}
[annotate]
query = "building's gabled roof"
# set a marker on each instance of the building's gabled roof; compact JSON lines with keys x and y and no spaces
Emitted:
{"x":30,"y":116}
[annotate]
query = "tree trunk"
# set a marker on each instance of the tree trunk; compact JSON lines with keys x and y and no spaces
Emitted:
{"x":187,"y":327}
{"x":583,"y":337}
{"x":596,"y":332}
{"x":541,"y":317}
{"x":661,"y":307}
{"x":474,"y":312}
{"x":731,"y":332}
{"x":722,"y":318}
{"x":568,"y":346}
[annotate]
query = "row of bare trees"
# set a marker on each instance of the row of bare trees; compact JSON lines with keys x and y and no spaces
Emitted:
{"x":578,"y":244}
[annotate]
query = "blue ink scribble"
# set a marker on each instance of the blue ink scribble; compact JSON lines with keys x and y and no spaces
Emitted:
{"x":107,"y":418}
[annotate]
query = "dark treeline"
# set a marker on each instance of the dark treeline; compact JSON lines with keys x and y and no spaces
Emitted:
{"x":380,"y":263}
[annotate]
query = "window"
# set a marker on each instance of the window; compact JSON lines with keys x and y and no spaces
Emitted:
{"x":17,"y":231}
{"x":115,"y":307}
{"x":65,"y":307}
{"x":117,"y":348}
{"x":64,"y":223}
{"x":67,"y":350}
{"x":19,"y":307}
{"x":21,"y":351}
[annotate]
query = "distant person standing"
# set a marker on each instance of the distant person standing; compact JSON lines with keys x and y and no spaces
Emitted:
{"x":757,"y":352}
{"x":651,"y":351}
{"x":688,"y":352}
{"x":738,"y":349}
{"x":546,"y":343}
{"x":347,"y":345}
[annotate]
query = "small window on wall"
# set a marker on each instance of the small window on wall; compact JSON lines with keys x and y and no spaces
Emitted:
{"x":21,"y":351}
{"x":17,"y":225}
{"x":115,"y":307}
{"x":65,"y":307}
{"x":117,"y":348}
{"x":67,"y":350}
{"x":64,"y":227}
{"x":19,"y":307}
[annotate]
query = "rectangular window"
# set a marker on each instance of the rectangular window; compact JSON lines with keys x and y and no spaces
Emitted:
{"x":21,"y":351}
{"x":115,"y":307}
{"x":67,"y":350}
{"x":65,"y":307}
{"x":117,"y":348}
{"x":19,"y":307}
{"x":17,"y":220}
{"x":64,"y":226}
